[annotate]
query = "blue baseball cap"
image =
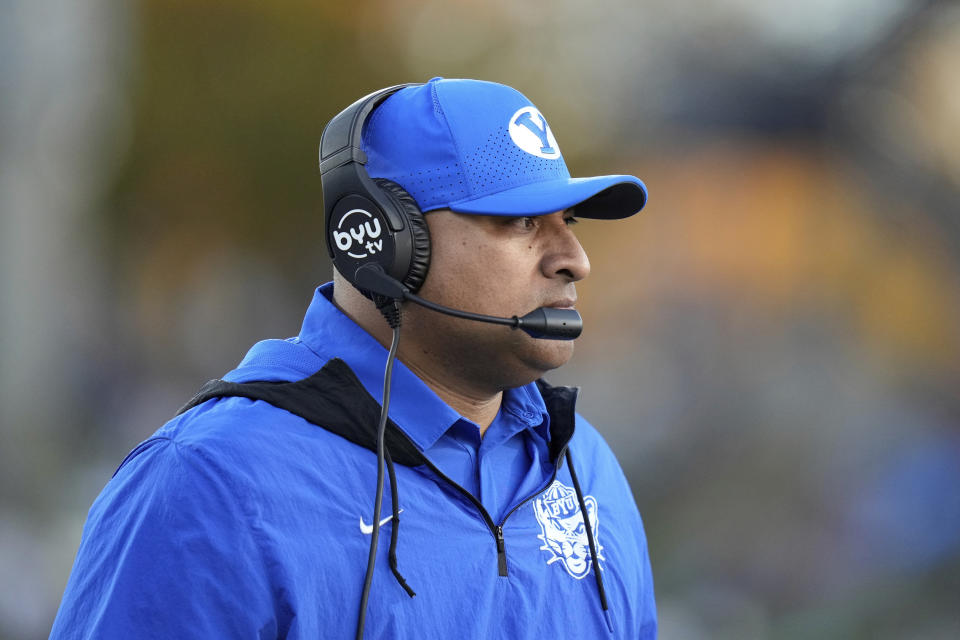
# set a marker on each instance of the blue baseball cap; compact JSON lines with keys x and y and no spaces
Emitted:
{"x":483,"y":148}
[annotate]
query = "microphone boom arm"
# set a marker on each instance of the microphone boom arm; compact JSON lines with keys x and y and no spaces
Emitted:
{"x":513,"y":322}
{"x":545,"y":322}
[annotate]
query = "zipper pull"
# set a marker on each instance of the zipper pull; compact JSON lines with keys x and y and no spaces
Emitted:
{"x":501,"y":552}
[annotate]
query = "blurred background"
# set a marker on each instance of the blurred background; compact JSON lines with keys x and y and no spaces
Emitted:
{"x":772,"y":348}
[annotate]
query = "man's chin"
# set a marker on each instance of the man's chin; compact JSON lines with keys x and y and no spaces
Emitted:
{"x":546,"y":355}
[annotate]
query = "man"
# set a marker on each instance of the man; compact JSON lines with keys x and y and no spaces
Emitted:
{"x":249,"y":514}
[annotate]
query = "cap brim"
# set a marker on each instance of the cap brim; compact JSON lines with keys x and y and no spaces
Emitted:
{"x":606,"y":197}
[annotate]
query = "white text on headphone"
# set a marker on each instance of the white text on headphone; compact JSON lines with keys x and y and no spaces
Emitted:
{"x":364,"y":234}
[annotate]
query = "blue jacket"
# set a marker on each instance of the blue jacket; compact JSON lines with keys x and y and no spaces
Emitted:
{"x":240,"y":519}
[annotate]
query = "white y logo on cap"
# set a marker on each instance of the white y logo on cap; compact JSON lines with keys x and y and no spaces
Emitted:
{"x":529,"y":131}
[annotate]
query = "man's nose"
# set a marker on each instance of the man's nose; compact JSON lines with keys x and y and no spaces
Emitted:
{"x":565,"y":256}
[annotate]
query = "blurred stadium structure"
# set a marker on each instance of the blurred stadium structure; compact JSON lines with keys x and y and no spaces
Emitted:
{"x":772,"y":347}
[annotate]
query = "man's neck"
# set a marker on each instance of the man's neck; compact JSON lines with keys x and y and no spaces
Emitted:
{"x":479,"y":408}
{"x":477,"y":405}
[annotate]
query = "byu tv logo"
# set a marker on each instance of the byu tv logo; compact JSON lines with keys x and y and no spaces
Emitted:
{"x":353,"y":228}
{"x":529,"y":131}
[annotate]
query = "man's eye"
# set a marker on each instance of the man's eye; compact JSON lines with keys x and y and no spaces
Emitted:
{"x":524,"y":222}
{"x":572,"y":220}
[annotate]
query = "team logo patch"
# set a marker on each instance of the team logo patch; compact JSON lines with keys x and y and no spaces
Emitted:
{"x":529,"y":131}
{"x":562,"y":530}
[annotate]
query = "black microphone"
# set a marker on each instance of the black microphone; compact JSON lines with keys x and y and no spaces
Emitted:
{"x":545,"y":322}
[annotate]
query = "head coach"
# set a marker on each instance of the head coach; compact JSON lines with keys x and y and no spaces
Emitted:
{"x":412,"y":395}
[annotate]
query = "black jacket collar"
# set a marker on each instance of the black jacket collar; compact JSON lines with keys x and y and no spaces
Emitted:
{"x":334,"y":399}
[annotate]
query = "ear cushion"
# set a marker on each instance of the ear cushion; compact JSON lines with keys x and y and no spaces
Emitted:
{"x":420,"y":233}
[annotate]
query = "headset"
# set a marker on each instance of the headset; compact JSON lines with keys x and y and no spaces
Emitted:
{"x":378,"y":238}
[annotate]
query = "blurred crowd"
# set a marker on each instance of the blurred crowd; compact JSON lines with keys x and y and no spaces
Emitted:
{"x":772,"y":348}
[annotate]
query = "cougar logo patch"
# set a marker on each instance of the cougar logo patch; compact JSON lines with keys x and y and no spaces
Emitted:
{"x":562,"y":532}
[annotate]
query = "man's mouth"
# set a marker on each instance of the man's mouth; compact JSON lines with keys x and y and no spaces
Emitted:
{"x":565,"y":303}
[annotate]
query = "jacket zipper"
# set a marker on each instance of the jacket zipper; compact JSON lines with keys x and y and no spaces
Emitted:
{"x":497,"y":529}
{"x":501,"y":551}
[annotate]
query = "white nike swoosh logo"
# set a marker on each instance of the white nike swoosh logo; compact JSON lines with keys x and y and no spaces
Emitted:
{"x":368,"y":528}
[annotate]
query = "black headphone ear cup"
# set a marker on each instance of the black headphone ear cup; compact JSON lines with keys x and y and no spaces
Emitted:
{"x":420,"y":233}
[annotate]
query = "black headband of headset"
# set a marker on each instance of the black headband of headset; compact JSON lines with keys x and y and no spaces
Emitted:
{"x":342,"y":158}
{"x":342,"y":137}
